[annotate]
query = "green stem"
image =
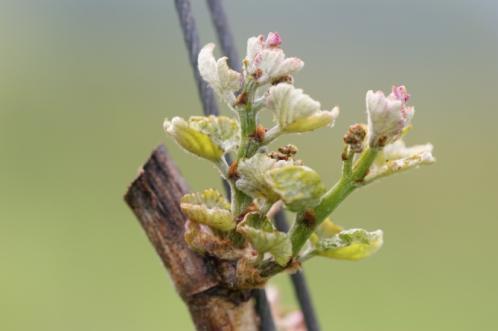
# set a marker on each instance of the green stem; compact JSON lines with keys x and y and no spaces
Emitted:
{"x":347,"y":163}
{"x":241,"y":201}
{"x":248,"y":145}
{"x":362,"y":166}
{"x":303,"y":227}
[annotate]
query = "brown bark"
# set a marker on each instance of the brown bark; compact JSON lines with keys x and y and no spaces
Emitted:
{"x":154,"y":198}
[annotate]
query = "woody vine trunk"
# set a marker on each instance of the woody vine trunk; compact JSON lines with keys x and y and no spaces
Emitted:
{"x":201,"y":281}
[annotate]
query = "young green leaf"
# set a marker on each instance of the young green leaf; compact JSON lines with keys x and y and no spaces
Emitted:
{"x":265,"y":238}
{"x":299,"y":187}
{"x":210,"y":208}
{"x":296,"y":111}
{"x":253,"y":174}
{"x":208,"y":137}
{"x":353,"y":244}
{"x":262,"y":177}
{"x":223,"y":131}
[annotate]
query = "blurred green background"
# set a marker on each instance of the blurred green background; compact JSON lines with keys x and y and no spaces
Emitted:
{"x":85,"y":86}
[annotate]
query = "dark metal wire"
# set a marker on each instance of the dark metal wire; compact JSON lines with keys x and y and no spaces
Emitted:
{"x":191,"y":37}
{"x":299,"y":283}
{"x":225,"y":36}
{"x":192,"y":42}
{"x":263,"y":310}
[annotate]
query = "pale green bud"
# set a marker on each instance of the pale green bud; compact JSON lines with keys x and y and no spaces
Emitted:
{"x":208,"y":137}
{"x":210,"y":208}
{"x":353,"y":244}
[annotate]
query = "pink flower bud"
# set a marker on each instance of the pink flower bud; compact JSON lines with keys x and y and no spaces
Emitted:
{"x":400,"y":93}
{"x":273,"y":40}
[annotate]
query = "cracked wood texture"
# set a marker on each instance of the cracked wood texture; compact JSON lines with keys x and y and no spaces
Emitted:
{"x":154,"y":196}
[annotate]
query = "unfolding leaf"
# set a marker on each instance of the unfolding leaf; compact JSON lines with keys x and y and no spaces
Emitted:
{"x":296,"y":111}
{"x":254,"y":220}
{"x":262,"y":177}
{"x":396,"y":158}
{"x":218,"y":75}
{"x":210,"y":208}
{"x":398,"y":150}
{"x":266,"y":238}
{"x":253,"y":174}
{"x":208,"y":137}
{"x":353,"y":244}
{"x":223,"y":131}
{"x":299,"y":187}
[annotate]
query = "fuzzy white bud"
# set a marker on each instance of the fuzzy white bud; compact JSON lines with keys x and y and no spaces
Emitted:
{"x":223,"y":80}
{"x":387,"y":116}
{"x":266,"y":61}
